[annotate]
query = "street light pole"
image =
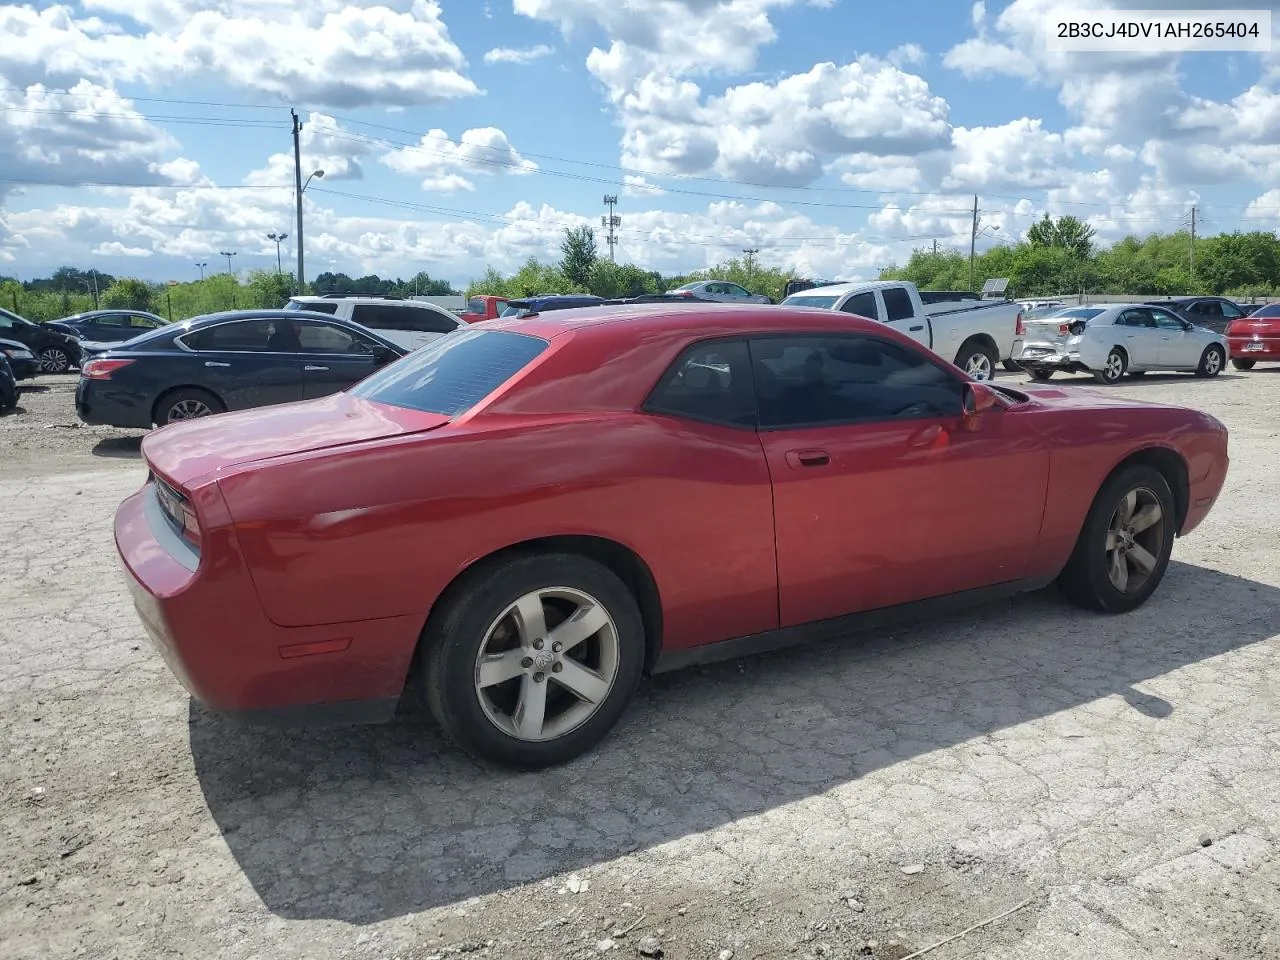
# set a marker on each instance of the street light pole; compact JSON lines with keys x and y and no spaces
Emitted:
{"x":201,"y":266}
{"x":279,"y":238}
{"x":228,"y":254}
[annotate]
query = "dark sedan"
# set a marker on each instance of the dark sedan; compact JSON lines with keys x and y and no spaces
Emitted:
{"x":21,"y":360}
{"x":58,"y":352}
{"x":112,"y":326}
{"x":8,"y":386}
{"x":1212,"y":313}
{"x":227,"y":361}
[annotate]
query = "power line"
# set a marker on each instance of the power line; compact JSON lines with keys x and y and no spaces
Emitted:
{"x":32,"y":182}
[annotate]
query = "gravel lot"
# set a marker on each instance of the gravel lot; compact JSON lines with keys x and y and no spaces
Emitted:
{"x":1112,"y":778}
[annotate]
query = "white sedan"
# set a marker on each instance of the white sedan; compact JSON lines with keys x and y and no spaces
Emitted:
{"x":720,"y":290}
{"x":1119,"y":339}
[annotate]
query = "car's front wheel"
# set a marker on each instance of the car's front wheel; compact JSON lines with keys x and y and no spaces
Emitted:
{"x":532,"y":660}
{"x":54,"y":360}
{"x":1124,"y":547}
{"x":1212,"y":361}
{"x":1113,"y":368}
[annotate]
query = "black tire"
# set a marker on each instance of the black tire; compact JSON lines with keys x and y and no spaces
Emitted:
{"x":1011,"y":365}
{"x":1243,"y":364}
{"x":454,"y":635}
{"x":1040,"y":374}
{"x":1137,"y":373}
{"x":1085,"y":580}
{"x":1115,"y":367}
{"x":54,"y":360}
{"x":8,"y":397}
{"x":1212,"y":361}
{"x":978,"y":360}
{"x":168,"y":408}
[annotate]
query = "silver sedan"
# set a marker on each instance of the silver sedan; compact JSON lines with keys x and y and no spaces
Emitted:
{"x":722,"y":290}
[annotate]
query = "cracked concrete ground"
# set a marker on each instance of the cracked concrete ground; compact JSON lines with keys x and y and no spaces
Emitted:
{"x":1115,"y":777}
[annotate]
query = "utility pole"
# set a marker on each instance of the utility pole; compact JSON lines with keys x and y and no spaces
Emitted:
{"x":279,"y":238}
{"x":201,"y":266}
{"x":1191,"y":259}
{"x":297,"y":184}
{"x":228,"y":254}
{"x":610,"y":222}
{"x":973,"y":240}
{"x":935,"y":247}
{"x":751,"y":265}
{"x":94,"y":274}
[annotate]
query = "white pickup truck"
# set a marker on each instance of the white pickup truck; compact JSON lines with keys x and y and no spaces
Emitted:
{"x":973,"y":333}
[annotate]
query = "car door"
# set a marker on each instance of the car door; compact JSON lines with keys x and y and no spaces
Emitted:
{"x":900,"y":313}
{"x":333,"y":358}
{"x":862,"y":305}
{"x":245,"y":363}
{"x":1136,"y":332}
{"x":1180,"y":344}
{"x":882,"y":494}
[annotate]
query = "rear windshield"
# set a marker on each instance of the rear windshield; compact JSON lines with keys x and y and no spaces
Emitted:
{"x":454,"y":372}
{"x":1270,"y":310}
{"x":1077,"y":313}
{"x":475,"y":306}
{"x":822,"y":303}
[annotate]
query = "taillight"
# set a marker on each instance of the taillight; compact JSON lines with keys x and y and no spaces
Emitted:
{"x":102,"y":369}
{"x":179,"y":511}
{"x":1064,"y":329}
{"x":1021,"y":329}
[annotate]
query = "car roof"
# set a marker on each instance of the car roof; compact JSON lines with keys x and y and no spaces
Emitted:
{"x":627,"y":321}
{"x":840,"y":289}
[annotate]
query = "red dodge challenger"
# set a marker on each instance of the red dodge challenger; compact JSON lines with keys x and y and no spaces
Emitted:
{"x":523,"y":518}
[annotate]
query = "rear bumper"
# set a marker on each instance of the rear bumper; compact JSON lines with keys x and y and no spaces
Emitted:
{"x":1246,"y":348}
{"x":1040,"y":356}
{"x":99,"y":404}
{"x":203,"y":616}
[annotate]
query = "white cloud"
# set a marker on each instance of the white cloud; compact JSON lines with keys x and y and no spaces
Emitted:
{"x":518,"y":55}
{"x":1018,"y":155}
{"x":909,"y":54}
{"x":87,"y":135}
{"x":324,"y":145}
{"x":351,"y":53}
{"x":446,"y":165}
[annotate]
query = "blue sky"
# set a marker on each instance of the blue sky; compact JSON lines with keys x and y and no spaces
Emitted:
{"x":459,"y":134}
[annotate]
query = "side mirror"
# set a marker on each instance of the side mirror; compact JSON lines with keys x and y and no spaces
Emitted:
{"x":978,"y":399}
{"x":382,"y":356}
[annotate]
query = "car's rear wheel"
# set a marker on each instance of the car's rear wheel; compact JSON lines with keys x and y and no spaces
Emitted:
{"x":1243,"y":364}
{"x":1039,"y":373}
{"x":1212,"y":361}
{"x":532,"y":660}
{"x":54,"y":360}
{"x":978,"y":360}
{"x":1113,"y":368}
{"x":190,"y":403}
{"x":1124,"y":547}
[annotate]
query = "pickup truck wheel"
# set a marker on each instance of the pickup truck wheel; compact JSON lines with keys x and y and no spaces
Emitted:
{"x":1113,"y":368}
{"x":532,"y":661}
{"x":1243,"y":364}
{"x":1125,"y":544}
{"x":978,"y":361}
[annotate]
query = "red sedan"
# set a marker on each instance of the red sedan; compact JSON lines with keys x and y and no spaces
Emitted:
{"x":525,"y":517}
{"x":1255,"y":338}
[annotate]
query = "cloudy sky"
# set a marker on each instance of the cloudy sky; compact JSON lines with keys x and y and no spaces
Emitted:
{"x":143,"y":136}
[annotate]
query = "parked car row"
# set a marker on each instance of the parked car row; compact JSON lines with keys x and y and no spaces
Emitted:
{"x":57,"y":350}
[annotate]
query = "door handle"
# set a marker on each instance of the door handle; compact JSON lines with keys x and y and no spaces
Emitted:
{"x":808,"y":458}
{"x":930,"y":436}
{"x":215,"y":363}
{"x":914,"y":329}
{"x":312,"y":366}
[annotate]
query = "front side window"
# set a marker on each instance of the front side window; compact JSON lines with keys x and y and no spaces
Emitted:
{"x":109,"y":320}
{"x":897,"y":304}
{"x":1167,"y":321}
{"x":143,"y":323}
{"x":810,"y":381}
{"x":245,"y":336}
{"x":1137,"y":318}
{"x":453,"y":373}
{"x":330,"y":338}
{"x":862,"y":304}
{"x":736,"y":291}
{"x":709,"y":381}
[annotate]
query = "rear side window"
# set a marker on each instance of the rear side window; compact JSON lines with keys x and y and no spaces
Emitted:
{"x":377,"y":316}
{"x":245,"y":336}
{"x":709,"y":381}
{"x":323,"y":306}
{"x":452,"y":374}
{"x":897,"y":303}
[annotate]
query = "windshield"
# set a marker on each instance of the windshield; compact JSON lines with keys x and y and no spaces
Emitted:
{"x":822,"y":303}
{"x":453,"y":373}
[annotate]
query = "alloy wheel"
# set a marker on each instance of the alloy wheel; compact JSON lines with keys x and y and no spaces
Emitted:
{"x":1135,"y":539}
{"x":1114,"y":367}
{"x":547,"y":663}
{"x":978,"y":366}
{"x":54,"y":360}
{"x":1212,"y":363}
{"x":188,"y":409}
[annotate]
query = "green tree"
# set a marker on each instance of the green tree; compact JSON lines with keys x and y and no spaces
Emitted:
{"x":578,"y":255}
{"x":128,"y":293}
{"x":268,"y":289}
{"x":1067,"y":233}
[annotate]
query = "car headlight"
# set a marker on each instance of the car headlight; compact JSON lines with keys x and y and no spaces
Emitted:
{"x":18,"y":353}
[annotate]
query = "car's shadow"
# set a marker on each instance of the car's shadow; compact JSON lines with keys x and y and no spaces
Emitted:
{"x":363,"y":824}
{"x":120,"y":448}
{"x":1149,"y":379}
